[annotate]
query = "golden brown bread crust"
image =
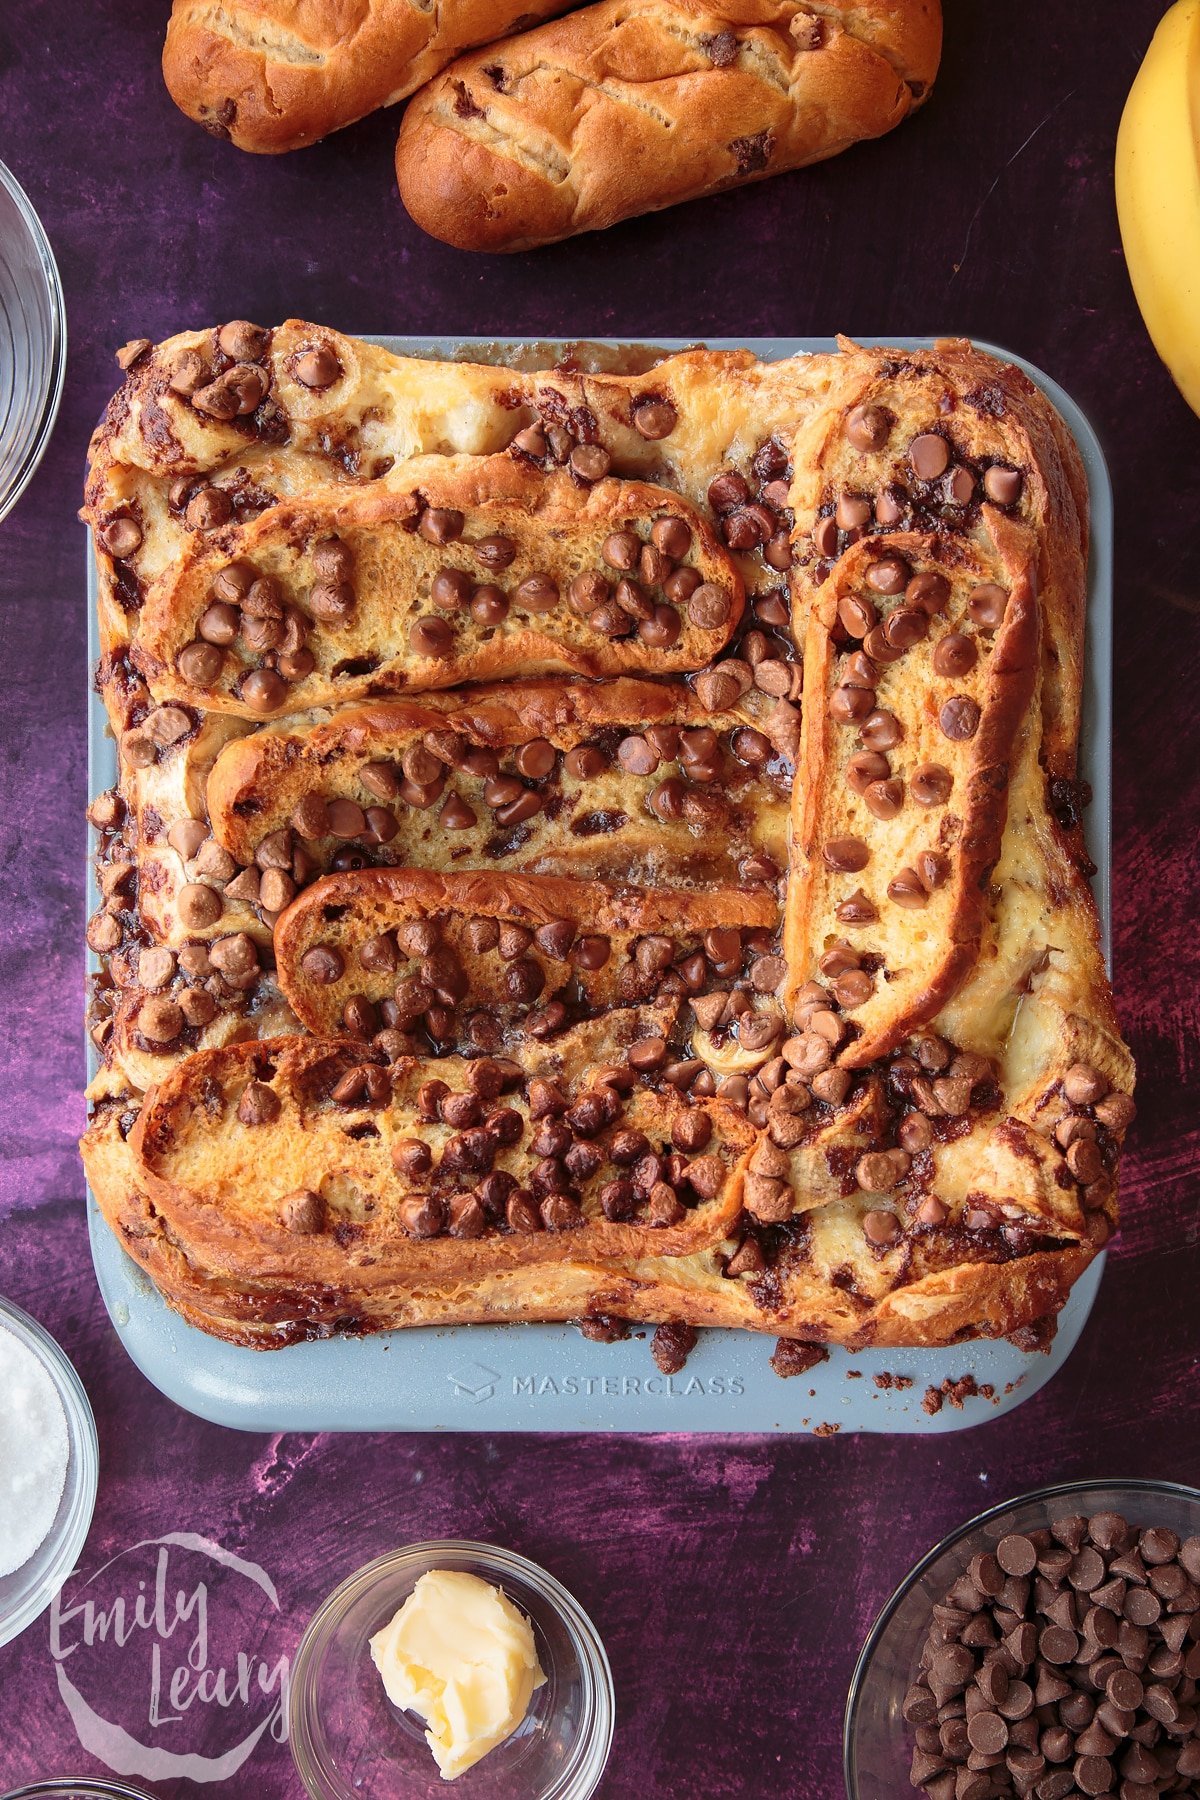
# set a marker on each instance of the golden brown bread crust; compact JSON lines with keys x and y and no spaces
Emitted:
{"x":519,"y":941}
{"x":989,"y":414}
{"x":932,"y":1154}
{"x":940,"y":1306}
{"x":930,"y":938}
{"x":272,"y":77}
{"x":603,"y":823}
{"x":200,"y":1143}
{"x":368,"y":617}
{"x":619,"y":110}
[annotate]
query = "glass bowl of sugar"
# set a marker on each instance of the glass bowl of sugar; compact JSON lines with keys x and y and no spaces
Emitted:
{"x":49,"y":1465}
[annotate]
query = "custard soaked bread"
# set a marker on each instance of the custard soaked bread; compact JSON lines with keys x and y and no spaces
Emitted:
{"x":734,"y":986}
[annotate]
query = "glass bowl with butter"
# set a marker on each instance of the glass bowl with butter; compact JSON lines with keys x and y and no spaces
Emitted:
{"x":408,"y":1669}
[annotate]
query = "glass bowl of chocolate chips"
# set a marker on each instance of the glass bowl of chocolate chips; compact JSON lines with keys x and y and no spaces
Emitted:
{"x":1049,"y":1649}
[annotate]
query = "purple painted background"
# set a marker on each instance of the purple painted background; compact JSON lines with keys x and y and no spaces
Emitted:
{"x":732,"y":1579}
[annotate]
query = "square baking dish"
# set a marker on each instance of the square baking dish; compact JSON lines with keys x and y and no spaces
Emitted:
{"x":549,"y":1377}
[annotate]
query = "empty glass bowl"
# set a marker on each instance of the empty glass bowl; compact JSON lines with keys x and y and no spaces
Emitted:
{"x":84,"y":1789}
{"x":876,"y":1744}
{"x":33,"y":340}
{"x":29,"y":1590}
{"x":348,"y":1740}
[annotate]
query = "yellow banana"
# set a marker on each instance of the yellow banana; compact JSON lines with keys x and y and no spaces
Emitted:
{"x":1158,"y":193}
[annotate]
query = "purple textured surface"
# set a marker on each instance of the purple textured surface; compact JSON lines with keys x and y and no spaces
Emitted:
{"x":732,"y":1579}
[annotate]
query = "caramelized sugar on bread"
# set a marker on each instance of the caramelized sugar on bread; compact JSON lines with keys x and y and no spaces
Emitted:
{"x":930,"y":1082}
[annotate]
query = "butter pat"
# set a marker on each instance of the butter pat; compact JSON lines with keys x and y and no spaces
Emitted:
{"x":461,"y":1655}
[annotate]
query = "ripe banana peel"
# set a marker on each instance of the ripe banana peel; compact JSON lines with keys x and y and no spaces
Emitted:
{"x":1158,"y":193}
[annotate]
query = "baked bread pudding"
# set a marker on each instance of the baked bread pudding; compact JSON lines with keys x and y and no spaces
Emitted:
{"x":595,"y":843}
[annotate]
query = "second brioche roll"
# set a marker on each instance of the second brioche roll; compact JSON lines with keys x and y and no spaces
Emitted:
{"x":619,"y":110}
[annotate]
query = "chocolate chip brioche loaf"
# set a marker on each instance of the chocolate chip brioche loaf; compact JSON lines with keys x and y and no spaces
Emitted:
{"x":755,"y":992}
{"x":618,"y":110}
{"x":270,"y":76}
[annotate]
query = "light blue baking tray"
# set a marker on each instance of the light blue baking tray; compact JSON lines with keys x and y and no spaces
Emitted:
{"x":548,"y":1377}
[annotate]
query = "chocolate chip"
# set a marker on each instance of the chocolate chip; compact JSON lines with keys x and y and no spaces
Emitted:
{"x":929,"y":591}
{"x":264,"y":691}
{"x":881,"y":731}
{"x":590,"y":462}
{"x":423,"y":1216}
{"x":930,"y":784}
{"x":825,"y":536}
{"x":889,"y":575}
{"x":884,"y":798}
{"x":200,"y":664}
{"x":906,"y":626}
{"x":709,"y":607}
{"x":727,"y":490}
{"x":218,"y":623}
{"x":907,"y":889}
{"x":316,"y":367}
{"x":1082,"y":1084}
{"x":560,"y":1213}
{"x":208,"y":509}
{"x":199,"y":906}
{"x":1003,"y":486}
{"x":121,"y":537}
{"x":851,"y":705}
{"x":959,"y":718}
{"x":259,"y":1104}
{"x":868,"y":427}
{"x":636,"y":756}
{"x":591,"y":953}
{"x":132,"y":352}
{"x":431,"y":637}
{"x":852,"y":512}
{"x":959,"y":486}
{"x":955,"y":655}
{"x":987,"y":605}
{"x":929,"y":456}
{"x":672,"y":536}
{"x":322,"y":964}
{"x":846,"y":854}
{"x":536,"y":759}
{"x":857,"y":615}
{"x":653,"y":417}
{"x":661,"y":630}
{"x":1016,"y":1555}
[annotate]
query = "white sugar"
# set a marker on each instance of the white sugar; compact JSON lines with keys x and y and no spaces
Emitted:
{"x":34,"y":1448}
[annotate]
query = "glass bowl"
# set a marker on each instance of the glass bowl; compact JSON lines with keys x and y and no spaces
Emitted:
{"x":876,"y":1745}
{"x":84,"y":1789}
{"x":348,"y":1740}
{"x":33,"y":340}
{"x":29,"y":1590}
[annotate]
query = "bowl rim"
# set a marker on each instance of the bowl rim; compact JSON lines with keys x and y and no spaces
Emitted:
{"x":85,"y":1787}
{"x":1054,"y":1490}
{"x":83,"y":1459}
{"x":497,"y":1560}
{"x":56,"y":371}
